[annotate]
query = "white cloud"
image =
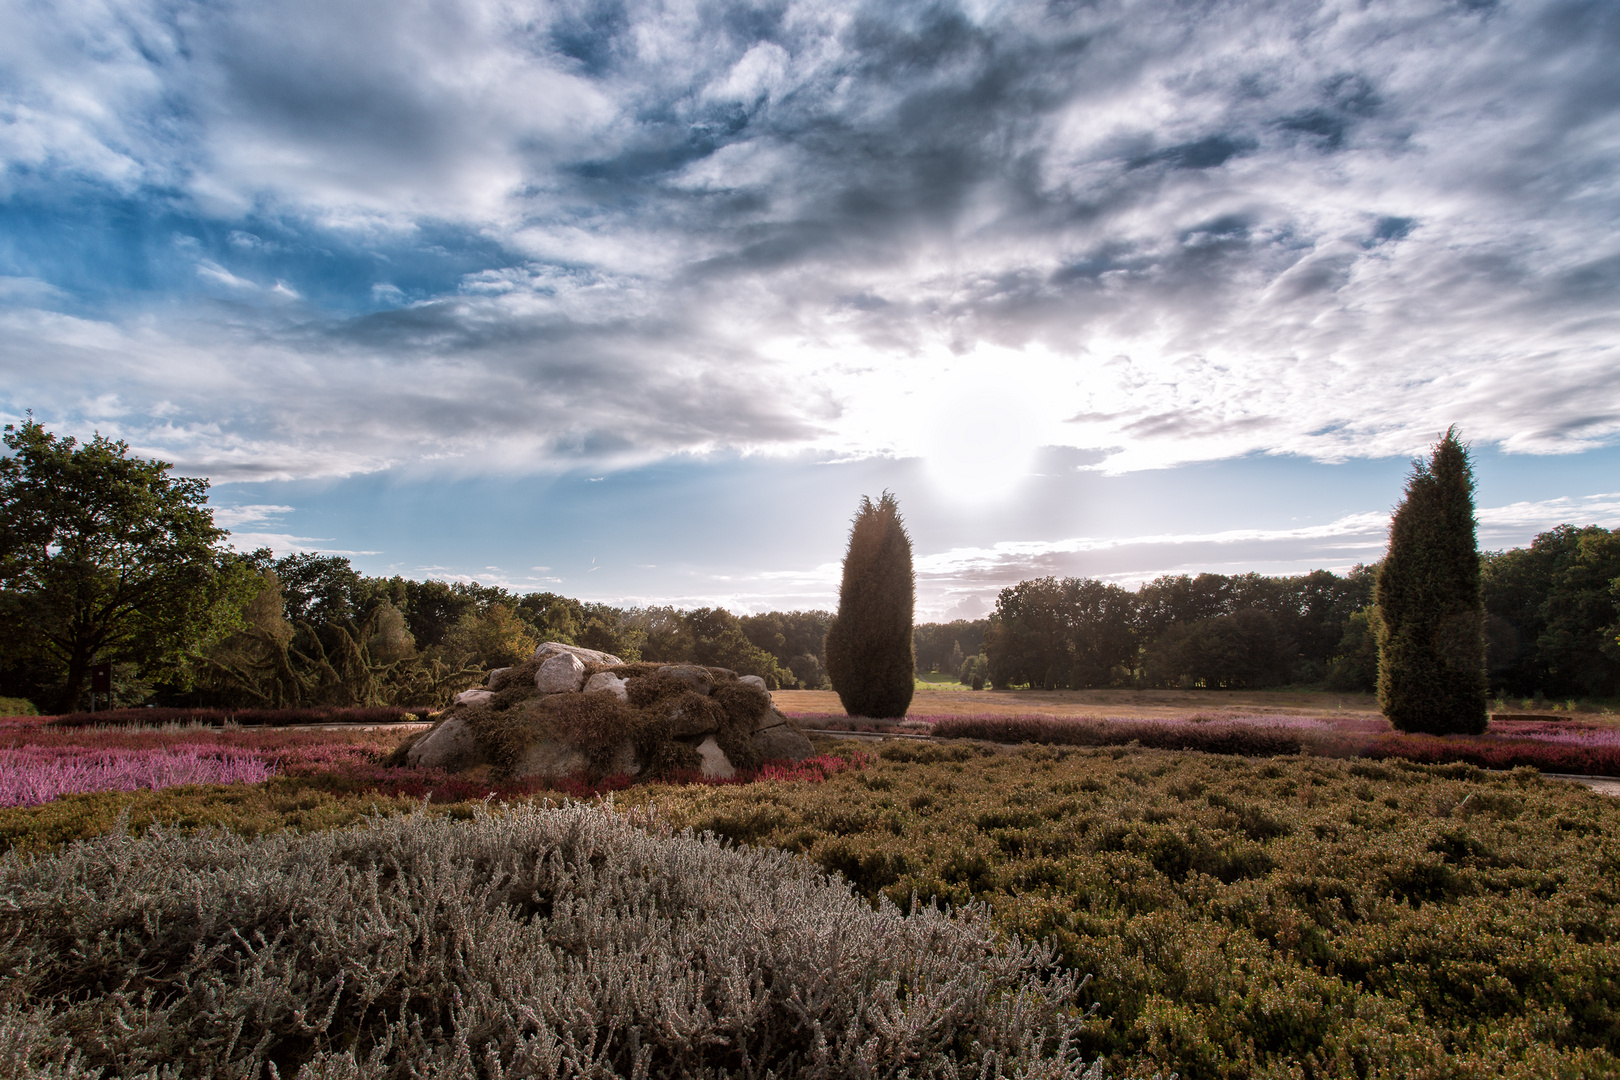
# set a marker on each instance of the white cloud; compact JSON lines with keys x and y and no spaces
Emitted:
{"x":234,"y":517}
{"x":1299,"y":229}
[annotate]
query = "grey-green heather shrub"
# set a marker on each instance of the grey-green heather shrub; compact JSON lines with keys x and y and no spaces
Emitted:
{"x":528,"y":943}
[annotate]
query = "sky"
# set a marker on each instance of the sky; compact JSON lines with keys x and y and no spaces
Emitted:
{"x":634,"y":301}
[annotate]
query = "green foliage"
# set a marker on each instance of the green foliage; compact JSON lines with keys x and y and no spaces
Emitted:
{"x":809,"y":672}
{"x":1431,"y":650}
{"x":532,"y":942}
{"x":271,"y":664}
{"x":943,"y":646}
{"x":1250,"y":918}
{"x":1240,"y":651}
{"x":492,"y":637}
{"x":1554,"y":614}
{"x":284,"y":803}
{"x":718,"y":640}
{"x":868,"y":648}
{"x":1355,"y":668}
{"x":1211,"y":630}
{"x":16,"y":706}
{"x":107,"y":558}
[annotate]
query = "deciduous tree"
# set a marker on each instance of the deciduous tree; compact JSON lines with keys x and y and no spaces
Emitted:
{"x":105,"y":557}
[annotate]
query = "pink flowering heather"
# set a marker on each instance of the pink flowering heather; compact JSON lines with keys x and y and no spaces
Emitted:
{"x":35,"y":775}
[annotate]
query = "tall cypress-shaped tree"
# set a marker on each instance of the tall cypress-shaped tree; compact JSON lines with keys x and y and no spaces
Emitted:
{"x":1431,"y":647}
{"x":869,"y":647}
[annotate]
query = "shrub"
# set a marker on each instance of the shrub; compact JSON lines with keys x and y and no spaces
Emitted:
{"x":29,"y":776}
{"x":534,"y":942}
{"x":869,"y":644}
{"x":241,"y":717}
{"x":1276,"y":918}
{"x":1431,"y":654}
{"x":16,"y":706}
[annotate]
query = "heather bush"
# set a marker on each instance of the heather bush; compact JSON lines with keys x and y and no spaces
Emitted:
{"x":240,"y":717}
{"x":546,"y":943}
{"x":1274,"y":918}
{"x":869,"y":644}
{"x":16,"y":706}
{"x":34,"y":775}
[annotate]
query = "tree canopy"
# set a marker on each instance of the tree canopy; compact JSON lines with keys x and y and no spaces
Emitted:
{"x":105,"y":557}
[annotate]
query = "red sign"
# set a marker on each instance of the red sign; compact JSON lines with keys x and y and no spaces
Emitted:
{"x":101,"y":679}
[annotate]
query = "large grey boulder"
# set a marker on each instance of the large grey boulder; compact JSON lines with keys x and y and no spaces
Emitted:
{"x":563,"y":673}
{"x":785,"y":743}
{"x":589,"y":656}
{"x":684,"y":723}
{"x":608,"y":682}
{"x":496,"y":676}
{"x":450,"y":745}
{"x":776,"y":738}
{"x":551,"y":760}
{"x":754,"y":680}
{"x":716,"y":766}
{"x":697,"y":678}
{"x":475,"y":696}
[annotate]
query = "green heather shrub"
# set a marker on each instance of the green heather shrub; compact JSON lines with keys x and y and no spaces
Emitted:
{"x":534,"y":942}
{"x":16,"y":706}
{"x":295,"y":803}
{"x":1431,"y":653}
{"x":1264,"y":918}
{"x":869,"y":644}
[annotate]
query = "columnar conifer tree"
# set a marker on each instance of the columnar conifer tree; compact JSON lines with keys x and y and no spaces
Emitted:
{"x":869,"y":646}
{"x":1431,"y":648}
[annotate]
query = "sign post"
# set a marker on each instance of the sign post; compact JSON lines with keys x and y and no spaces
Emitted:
{"x":100,"y":683}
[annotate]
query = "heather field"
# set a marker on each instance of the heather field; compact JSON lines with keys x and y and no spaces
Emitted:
{"x":1263,"y":910}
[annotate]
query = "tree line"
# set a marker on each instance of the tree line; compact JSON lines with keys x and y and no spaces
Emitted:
{"x":106,"y":558}
{"x":1552,"y":627}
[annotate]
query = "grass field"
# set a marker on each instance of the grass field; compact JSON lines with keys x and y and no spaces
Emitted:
{"x":948,"y":698}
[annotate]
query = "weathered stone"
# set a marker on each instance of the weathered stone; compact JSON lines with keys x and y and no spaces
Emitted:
{"x":609,"y":682}
{"x":550,"y":759}
{"x":625,"y":762}
{"x":768,"y":719}
{"x":783,"y":742}
{"x":590,"y":656}
{"x":450,"y":745}
{"x":716,"y":766}
{"x":475,"y":696}
{"x":563,"y":673}
{"x":690,"y":674}
{"x":493,"y":679}
{"x":754,"y":680}
{"x":687,"y":722}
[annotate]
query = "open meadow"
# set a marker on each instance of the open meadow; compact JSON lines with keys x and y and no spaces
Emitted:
{"x":950,"y":698}
{"x":1241,"y":915}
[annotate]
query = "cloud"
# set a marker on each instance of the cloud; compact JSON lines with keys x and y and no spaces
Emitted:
{"x":234,"y":517}
{"x":537,"y":237}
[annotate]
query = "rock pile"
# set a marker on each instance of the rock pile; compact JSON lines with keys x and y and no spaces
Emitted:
{"x":571,"y":710}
